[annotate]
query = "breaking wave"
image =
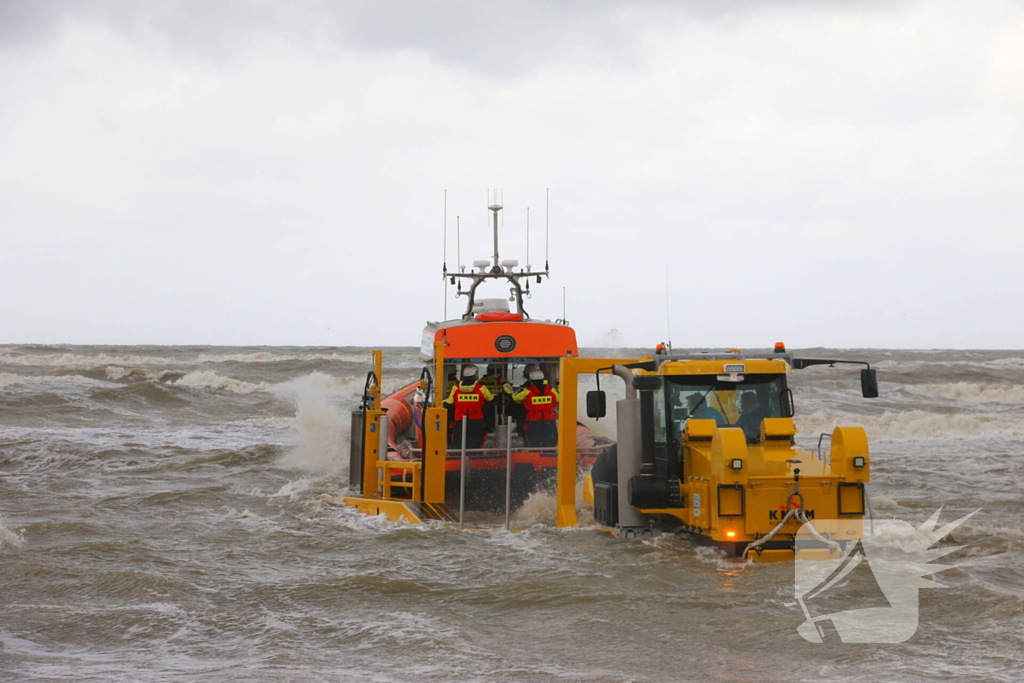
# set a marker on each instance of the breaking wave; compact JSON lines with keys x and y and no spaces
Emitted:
{"x":74,"y":360}
{"x":116,"y":373}
{"x":7,"y":379}
{"x":914,"y":425}
{"x":207,"y":379}
{"x":8,"y":537}
{"x":935,"y":366}
{"x":969,"y":392}
{"x":79,"y":360}
{"x":321,"y":424}
{"x":541,"y":508}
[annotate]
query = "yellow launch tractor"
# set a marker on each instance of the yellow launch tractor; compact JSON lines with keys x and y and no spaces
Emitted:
{"x":706,"y":447}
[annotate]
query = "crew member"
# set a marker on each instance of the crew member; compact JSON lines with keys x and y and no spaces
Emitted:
{"x":661,"y":349}
{"x":516,"y":411}
{"x":468,"y":399}
{"x":700,"y":410}
{"x":540,"y":402}
{"x":494,"y":381}
{"x":750,"y":417}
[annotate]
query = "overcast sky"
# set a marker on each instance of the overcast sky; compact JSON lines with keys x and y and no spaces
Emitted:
{"x":267,"y":172}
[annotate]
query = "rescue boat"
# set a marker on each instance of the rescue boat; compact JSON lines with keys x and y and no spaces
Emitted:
{"x":408,"y":459}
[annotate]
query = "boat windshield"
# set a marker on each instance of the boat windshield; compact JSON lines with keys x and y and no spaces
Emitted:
{"x":495,"y":372}
{"x":731,"y":404}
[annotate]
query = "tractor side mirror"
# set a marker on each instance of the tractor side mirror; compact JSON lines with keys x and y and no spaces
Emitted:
{"x":596,"y":404}
{"x":869,"y":383}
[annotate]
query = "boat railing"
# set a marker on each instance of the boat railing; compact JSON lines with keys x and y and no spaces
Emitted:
{"x":524,"y":449}
{"x":411,"y":476}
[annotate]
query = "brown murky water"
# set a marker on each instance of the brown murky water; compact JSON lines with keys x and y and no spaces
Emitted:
{"x":167,"y":514}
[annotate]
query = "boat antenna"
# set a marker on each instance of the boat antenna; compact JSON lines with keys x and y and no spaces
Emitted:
{"x":527,"y":240}
{"x":668,"y":310}
{"x":444,"y":272}
{"x":458,"y":249}
{"x":547,"y":225}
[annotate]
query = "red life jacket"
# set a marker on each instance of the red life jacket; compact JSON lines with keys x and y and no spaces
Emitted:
{"x":540,"y":403}
{"x":469,"y":402}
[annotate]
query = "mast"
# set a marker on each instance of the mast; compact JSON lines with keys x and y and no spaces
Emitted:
{"x":495,"y":208}
{"x":494,"y":269}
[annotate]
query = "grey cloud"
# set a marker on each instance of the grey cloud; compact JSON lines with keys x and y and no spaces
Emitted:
{"x":497,"y":39}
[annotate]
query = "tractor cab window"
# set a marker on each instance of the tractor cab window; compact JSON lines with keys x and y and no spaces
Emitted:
{"x":730,"y":404}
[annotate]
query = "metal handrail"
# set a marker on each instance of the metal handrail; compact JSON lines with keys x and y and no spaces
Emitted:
{"x":524,"y":449}
{"x":508,"y":474}
{"x":462,"y":475}
{"x":821,"y":454}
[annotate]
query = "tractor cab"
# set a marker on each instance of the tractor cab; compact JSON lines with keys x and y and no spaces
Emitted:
{"x":736,"y":400}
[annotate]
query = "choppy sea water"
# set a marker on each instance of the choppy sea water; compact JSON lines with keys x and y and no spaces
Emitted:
{"x":170,"y":514}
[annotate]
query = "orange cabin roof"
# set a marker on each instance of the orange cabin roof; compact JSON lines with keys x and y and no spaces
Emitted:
{"x":505,"y":339}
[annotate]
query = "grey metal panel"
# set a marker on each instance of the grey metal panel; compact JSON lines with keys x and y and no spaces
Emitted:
{"x":355,"y":458}
{"x":627,"y":416}
{"x":382,"y":438}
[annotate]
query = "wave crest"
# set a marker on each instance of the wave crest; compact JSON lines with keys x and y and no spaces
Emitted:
{"x":323,"y":428}
{"x":85,"y":360}
{"x":8,"y":537}
{"x":207,"y":379}
{"x":969,"y":392}
{"x":914,"y":425}
{"x":9,"y":379}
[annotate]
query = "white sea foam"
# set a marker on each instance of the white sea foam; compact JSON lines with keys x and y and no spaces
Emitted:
{"x":881,"y":502}
{"x":350,"y":518}
{"x":313,"y":486}
{"x":936,"y":365}
{"x":116,"y":372}
{"x":293,"y":489}
{"x":207,"y":379}
{"x":100,"y":359}
{"x":232,"y":513}
{"x":968,"y":392}
{"x":322,"y":428}
{"x":915,"y":424}
{"x":718,"y":558}
{"x":271,"y":357}
{"x":532,"y":541}
{"x":318,"y":383}
{"x":276,"y":422}
{"x":8,"y":537}
{"x":541,"y":508}
{"x":76,"y":360}
{"x":8,"y":379}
